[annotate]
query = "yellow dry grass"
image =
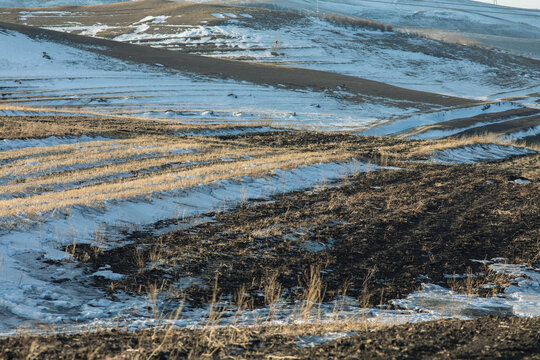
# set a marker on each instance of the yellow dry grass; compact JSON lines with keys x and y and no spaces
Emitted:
{"x":134,"y":186}
{"x":40,"y":179}
{"x":147,"y":157}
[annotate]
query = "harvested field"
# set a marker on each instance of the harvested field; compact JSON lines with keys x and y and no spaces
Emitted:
{"x":373,"y":237}
{"x":222,"y":180}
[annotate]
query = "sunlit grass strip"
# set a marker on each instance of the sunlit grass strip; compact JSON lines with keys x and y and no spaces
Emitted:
{"x":89,"y":153}
{"x":167,"y":181}
{"x":428,"y":147}
{"x":134,"y":166}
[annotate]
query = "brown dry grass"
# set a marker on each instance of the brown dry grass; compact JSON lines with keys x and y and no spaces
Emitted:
{"x":502,"y":337}
{"x":158,"y":176}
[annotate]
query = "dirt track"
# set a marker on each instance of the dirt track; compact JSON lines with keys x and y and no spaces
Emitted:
{"x":264,"y":74}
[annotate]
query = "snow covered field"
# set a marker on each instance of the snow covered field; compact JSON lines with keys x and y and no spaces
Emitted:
{"x":47,"y":75}
{"x":30,"y":78}
{"x":320,"y":44}
{"x":463,"y":21}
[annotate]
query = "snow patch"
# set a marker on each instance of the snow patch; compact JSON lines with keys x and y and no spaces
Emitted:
{"x":522,"y":134}
{"x":521,"y":181}
{"x":477,"y":153}
{"x":520,"y":299}
{"x":15,"y":144}
{"x":307,"y":341}
{"x":108,"y":274}
{"x":524,"y":294}
{"x":153,"y":19}
{"x":317,"y":246}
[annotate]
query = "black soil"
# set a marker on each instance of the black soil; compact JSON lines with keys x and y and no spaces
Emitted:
{"x":380,"y":235}
{"x":484,"y":338}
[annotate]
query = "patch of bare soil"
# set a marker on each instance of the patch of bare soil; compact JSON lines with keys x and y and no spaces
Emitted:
{"x":360,"y":90}
{"x":483,"y":338}
{"x":378,"y":235}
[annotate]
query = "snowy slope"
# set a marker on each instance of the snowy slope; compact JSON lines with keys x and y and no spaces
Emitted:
{"x":444,"y":14}
{"x":412,"y":63}
{"x":512,"y":29}
{"x":73,"y":78}
{"x":394,"y":58}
